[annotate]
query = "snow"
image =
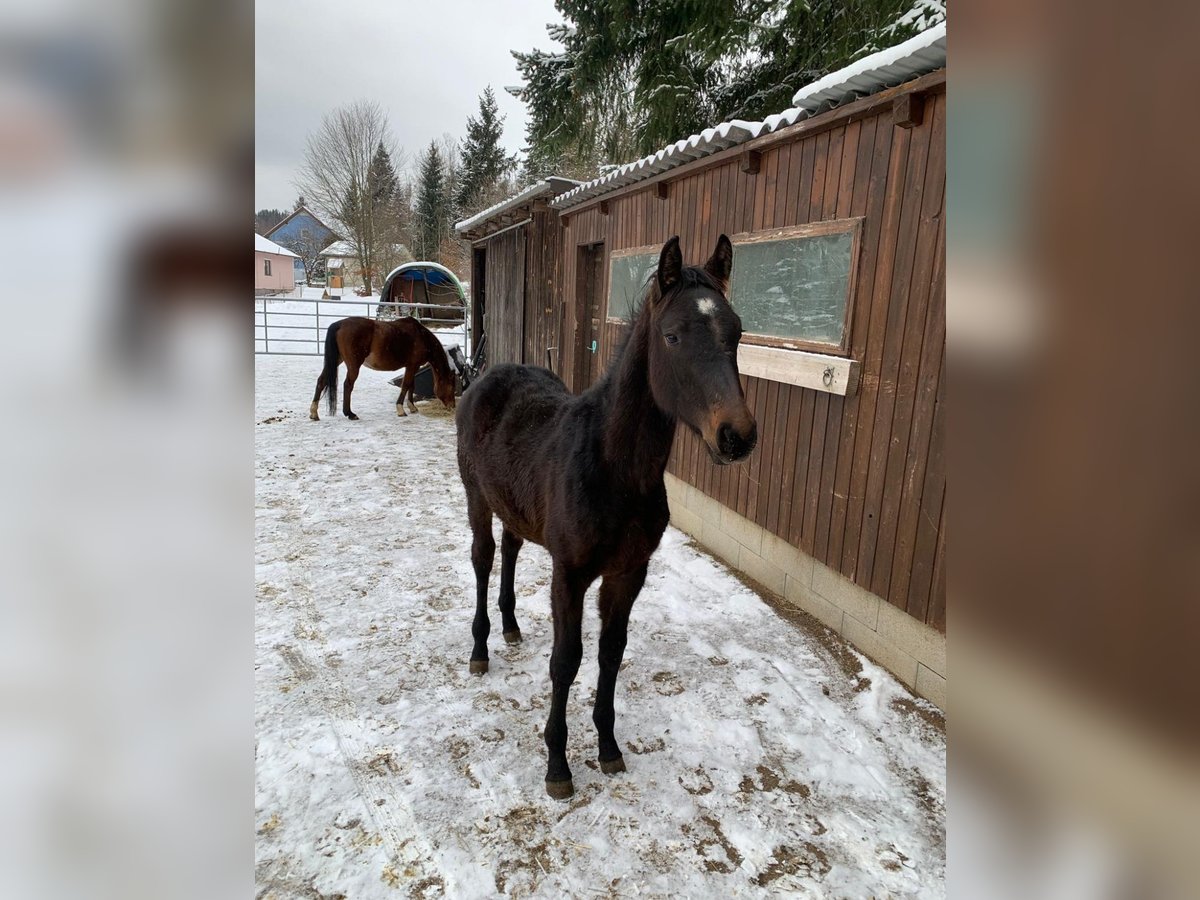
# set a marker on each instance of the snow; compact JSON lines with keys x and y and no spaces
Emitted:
{"x":548,"y":185}
{"x":764,"y":756}
{"x":263,"y":245}
{"x":892,"y":65}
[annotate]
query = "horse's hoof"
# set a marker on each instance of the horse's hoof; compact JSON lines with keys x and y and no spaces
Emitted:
{"x":351,"y":416}
{"x":312,"y":413}
{"x":612,"y":766}
{"x":479,"y":666}
{"x":513,"y":637}
{"x":560,"y":790}
{"x":401,"y":413}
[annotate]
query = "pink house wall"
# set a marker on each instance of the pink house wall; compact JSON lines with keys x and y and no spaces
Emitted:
{"x":282,"y":277}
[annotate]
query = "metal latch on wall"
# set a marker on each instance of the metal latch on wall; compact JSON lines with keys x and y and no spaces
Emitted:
{"x":594,"y":347}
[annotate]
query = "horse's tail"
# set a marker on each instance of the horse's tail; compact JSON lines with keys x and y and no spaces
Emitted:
{"x":331,"y":365}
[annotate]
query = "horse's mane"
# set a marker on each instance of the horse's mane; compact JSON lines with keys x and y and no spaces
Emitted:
{"x":435,"y":351}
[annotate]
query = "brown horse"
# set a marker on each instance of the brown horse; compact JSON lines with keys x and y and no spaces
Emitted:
{"x":583,"y":475}
{"x":384,"y":346}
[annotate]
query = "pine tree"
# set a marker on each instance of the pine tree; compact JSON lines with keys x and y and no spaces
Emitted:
{"x":431,"y":211}
{"x":624,"y":86}
{"x":484,"y":164}
{"x":381,"y":180}
{"x":266,"y":219}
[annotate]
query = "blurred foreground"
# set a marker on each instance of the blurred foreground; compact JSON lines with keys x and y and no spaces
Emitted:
{"x":1075,"y":564}
{"x":126,"y":619}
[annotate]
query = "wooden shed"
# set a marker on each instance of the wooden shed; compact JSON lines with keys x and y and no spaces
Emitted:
{"x":516,"y":259}
{"x":836,"y":209}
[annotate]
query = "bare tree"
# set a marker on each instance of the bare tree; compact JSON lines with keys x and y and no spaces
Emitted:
{"x":336,"y":180}
{"x":308,"y":245}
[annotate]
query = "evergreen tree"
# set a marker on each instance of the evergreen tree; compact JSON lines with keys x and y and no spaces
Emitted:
{"x":484,"y":165}
{"x":381,"y":180}
{"x":432,"y":204}
{"x":266,"y":219}
{"x":629,"y":81}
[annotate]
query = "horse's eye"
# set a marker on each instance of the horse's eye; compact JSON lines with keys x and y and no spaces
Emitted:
{"x":671,"y":338}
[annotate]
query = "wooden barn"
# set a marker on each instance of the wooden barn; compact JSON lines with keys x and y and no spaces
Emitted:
{"x":836,"y":208}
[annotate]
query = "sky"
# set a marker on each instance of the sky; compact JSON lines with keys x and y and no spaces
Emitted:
{"x":425,"y":63}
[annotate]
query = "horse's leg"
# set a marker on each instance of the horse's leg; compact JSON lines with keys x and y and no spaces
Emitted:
{"x":566,"y":600}
{"x":312,"y":410}
{"x":410,"y":379}
{"x":351,"y":376}
{"x":483,"y":551}
{"x":510,"y":546}
{"x":617,"y":593}
{"x":400,"y":400}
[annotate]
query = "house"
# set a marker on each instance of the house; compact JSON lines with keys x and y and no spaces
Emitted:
{"x":836,"y":210}
{"x":302,"y":232}
{"x":344,"y":271}
{"x":274,"y":271}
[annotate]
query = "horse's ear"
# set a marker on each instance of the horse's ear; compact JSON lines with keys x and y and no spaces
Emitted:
{"x":720,"y":264}
{"x":670,"y":266}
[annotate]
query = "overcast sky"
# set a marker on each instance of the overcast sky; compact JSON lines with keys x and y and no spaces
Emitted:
{"x":424,"y":62}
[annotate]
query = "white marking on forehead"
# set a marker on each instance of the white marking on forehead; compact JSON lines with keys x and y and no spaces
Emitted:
{"x":706,"y":306}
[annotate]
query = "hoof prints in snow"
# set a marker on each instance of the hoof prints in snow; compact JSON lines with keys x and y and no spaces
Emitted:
{"x":762,"y":756}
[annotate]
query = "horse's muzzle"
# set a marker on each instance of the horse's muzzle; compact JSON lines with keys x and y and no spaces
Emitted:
{"x":735,"y":444}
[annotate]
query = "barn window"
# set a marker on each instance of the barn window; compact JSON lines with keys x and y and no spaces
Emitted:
{"x":792,"y":286}
{"x":266,"y":267}
{"x":629,"y":271}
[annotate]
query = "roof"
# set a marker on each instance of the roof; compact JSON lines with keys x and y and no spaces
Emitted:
{"x":346,"y":249}
{"x":544,"y":188}
{"x":295,"y":212}
{"x":338,"y":248}
{"x":263,"y":245}
{"x":926,"y":52}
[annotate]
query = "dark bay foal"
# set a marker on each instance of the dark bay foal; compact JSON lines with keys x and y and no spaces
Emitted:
{"x":583,"y":475}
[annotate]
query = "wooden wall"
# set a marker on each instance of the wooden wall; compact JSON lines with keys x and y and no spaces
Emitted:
{"x":524,"y":292}
{"x":504,"y":318}
{"x":857,"y":482}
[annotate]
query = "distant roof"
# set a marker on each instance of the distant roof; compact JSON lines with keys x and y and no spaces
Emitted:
{"x":926,"y":52}
{"x":346,"y":249}
{"x":547,"y":187}
{"x":262,"y":245}
{"x":295,"y":212}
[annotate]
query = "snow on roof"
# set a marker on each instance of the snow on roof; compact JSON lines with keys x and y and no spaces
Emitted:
{"x":264,"y":245}
{"x":551,"y":185}
{"x":887,"y":68}
{"x":871,"y":74}
{"x":346,"y":249}
{"x":338,"y":248}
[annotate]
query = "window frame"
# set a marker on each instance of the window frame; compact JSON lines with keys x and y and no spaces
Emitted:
{"x":854,"y":227}
{"x":267,"y":268}
{"x":654,"y":250}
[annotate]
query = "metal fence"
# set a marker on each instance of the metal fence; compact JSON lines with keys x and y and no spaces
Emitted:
{"x":295,"y":326}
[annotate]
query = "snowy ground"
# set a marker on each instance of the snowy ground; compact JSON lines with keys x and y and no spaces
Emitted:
{"x":764,"y":757}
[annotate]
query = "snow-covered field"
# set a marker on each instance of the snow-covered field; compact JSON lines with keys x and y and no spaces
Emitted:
{"x":764,"y":757}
